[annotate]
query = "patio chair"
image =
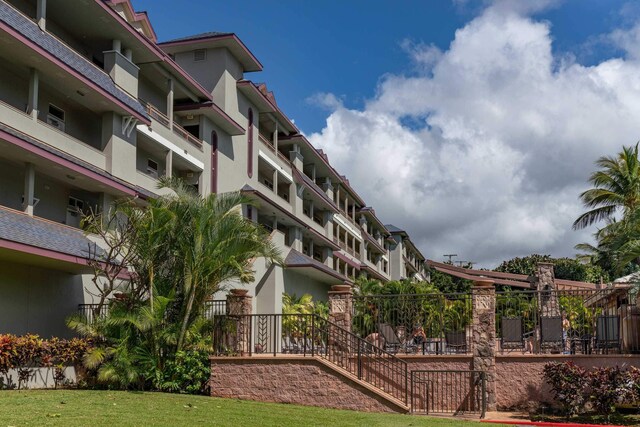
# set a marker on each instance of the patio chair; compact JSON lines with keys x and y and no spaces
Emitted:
{"x":456,"y":341}
{"x":607,"y":332}
{"x":392,"y":343}
{"x":289,"y":345}
{"x":551,"y":333}
{"x":512,"y":333}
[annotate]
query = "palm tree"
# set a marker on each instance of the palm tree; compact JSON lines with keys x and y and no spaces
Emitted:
{"x":186,"y":248}
{"x":616,"y":186}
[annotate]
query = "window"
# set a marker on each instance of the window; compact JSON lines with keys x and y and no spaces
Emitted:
{"x":250,"y":144}
{"x":214,"y":162}
{"x":75,"y":205}
{"x":55,"y":117}
{"x":199,"y":55}
{"x":152,"y":168}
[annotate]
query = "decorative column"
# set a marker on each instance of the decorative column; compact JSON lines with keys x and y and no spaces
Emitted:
{"x":341,"y":306}
{"x":544,"y":282}
{"x":484,"y":335}
{"x":241,"y":305}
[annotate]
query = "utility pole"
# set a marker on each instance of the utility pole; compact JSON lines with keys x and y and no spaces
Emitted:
{"x":450,"y":256}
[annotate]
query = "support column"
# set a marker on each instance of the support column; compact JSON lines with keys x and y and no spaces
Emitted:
{"x":29,"y":188}
{"x":275,"y":138}
{"x":170,"y":103}
{"x":484,"y":335}
{"x":241,"y":305}
{"x":34,"y":83}
{"x":168,"y":164}
{"x":41,"y":14}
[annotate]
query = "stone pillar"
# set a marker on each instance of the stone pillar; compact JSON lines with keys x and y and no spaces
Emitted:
{"x":544,"y":282}
{"x":34,"y":89}
{"x":241,"y":305}
{"x":341,"y":306}
{"x":484,"y":335}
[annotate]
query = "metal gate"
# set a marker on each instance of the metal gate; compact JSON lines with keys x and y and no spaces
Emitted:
{"x":449,"y":392}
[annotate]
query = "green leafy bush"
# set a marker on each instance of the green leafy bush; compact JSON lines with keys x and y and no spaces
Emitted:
{"x":188,"y":372}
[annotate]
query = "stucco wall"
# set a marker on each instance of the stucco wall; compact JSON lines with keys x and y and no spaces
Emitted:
{"x":38,"y":300}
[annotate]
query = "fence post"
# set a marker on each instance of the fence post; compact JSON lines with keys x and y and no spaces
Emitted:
{"x":484,"y":335}
{"x":240,"y":304}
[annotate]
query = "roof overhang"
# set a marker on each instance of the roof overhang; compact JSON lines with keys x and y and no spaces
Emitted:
{"x":229,"y":41}
{"x":213,"y":113}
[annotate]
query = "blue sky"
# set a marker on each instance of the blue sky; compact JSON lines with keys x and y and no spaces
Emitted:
{"x":472,"y":124}
{"x":344,"y":47}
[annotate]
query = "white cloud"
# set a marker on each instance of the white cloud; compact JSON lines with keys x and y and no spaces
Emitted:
{"x":508,"y":138}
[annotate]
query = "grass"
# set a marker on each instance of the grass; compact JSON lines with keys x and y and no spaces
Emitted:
{"x":118,"y":408}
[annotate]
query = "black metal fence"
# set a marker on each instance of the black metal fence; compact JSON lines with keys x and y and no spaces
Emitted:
{"x":568,"y":321}
{"x":311,"y":335}
{"x":421,"y":323}
{"x":215,"y":308}
{"x":449,"y":392}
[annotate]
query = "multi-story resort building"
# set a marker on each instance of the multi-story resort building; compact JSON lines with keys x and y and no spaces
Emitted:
{"x":93,"y":109}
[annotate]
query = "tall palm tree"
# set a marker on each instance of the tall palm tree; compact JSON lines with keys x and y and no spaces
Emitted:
{"x":186,"y":248}
{"x":616,"y":186}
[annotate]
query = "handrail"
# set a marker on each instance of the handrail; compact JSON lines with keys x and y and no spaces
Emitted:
{"x":157,"y":115}
{"x":312,"y":335}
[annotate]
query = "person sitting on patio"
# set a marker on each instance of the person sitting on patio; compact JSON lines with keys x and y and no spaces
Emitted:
{"x":418,"y":336}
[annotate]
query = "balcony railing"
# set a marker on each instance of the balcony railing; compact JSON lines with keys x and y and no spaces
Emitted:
{"x":155,"y":114}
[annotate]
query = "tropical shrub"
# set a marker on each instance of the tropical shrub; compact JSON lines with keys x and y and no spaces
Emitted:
{"x":187,"y":372}
{"x":601,"y":389}
{"x":568,"y":383}
{"x":178,"y":250}
{"x":25,"y":353}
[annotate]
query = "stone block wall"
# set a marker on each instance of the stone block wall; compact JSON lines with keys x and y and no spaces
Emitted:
{"x":292,"y":380}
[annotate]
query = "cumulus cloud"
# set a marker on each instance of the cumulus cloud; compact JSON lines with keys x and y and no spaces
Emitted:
{"x":501,"y":138}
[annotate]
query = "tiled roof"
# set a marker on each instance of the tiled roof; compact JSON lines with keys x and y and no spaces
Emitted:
{"x":55,"y":47}
{"x":393,"y":229}
{"x":198,"y":36}
{"x":298,"y":259}
{"x":22,"y":228}
{"x":72,"y":159}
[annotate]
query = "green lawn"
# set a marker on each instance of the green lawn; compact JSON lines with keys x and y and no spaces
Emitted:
{"x":117,"y":408}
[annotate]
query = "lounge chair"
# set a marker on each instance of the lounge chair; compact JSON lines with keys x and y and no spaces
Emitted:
{"x":456,"y":341}
{"x":512,"y":333}
{"x":392,"y":343}
{"x":289,"y":345}
{"x":551,"y":336}
{"x":607,"y":332}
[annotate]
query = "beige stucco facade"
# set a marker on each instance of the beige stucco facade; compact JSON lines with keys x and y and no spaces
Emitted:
{"x":93,"y":109}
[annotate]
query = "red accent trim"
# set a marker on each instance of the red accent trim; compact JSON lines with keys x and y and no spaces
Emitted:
{"x":214,"y":161}
{"x":226,"y":36}
{"x":47,"y":253}
{"x":330,"y":243}
{"x":213,"y":106}
{"x":249,"y":83}
{"x":349,"y":261}
{"x":4,"y":27}
{"x":250,"y":145}
{"x":153,"y":47}
{"x":137,"y":16}
{"x":544,"y":423}
{"x":66,"y":163}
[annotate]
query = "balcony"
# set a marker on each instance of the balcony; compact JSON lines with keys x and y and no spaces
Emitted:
{"x":178,"y":130}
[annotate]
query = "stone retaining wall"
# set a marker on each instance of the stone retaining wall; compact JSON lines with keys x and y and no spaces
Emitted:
{"x":304,"y":381}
